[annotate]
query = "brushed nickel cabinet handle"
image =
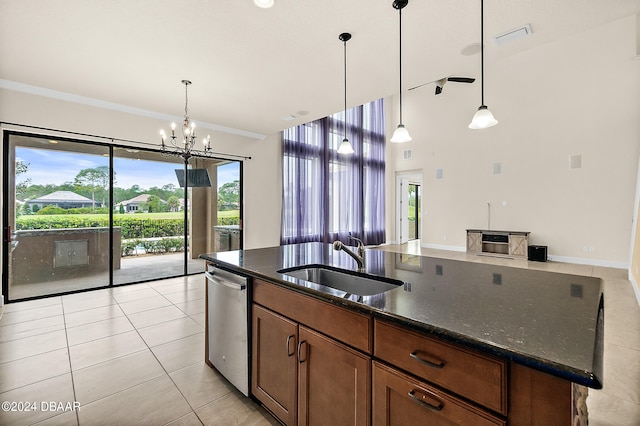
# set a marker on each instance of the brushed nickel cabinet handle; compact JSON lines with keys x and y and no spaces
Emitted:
{"x":438,"y":364}
{"x":300,"y":360}
{"x":425,"y":404}
{"x":289,"y":345}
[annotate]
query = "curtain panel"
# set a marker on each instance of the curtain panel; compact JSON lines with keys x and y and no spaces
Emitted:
{"x":327,"y":196}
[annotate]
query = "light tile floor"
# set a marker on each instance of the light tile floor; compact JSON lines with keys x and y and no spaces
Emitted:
{"x":134,"y":355}
{"x":128,"y":355}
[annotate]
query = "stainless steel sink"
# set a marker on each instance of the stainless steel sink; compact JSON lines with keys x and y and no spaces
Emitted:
{"x":343,"y":280}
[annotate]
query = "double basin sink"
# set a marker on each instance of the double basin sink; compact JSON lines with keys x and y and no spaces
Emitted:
{"x":350,"y":282}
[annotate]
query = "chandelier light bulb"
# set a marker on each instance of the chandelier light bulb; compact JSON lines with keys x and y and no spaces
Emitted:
{"x":173,"y":126}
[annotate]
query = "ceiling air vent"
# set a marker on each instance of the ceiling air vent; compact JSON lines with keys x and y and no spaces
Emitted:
{"x":512,"y":35}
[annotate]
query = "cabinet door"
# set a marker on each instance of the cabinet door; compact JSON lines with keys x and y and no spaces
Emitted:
{"x":334,"y":382}
{"x":518,"y":245}
{"x":274,"y":364}
{"x":474,"y":242}
{"x":401,"y":400}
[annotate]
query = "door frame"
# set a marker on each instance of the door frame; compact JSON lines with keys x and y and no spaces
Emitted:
{"x":402,"y":193}
{"x":5,"y":204}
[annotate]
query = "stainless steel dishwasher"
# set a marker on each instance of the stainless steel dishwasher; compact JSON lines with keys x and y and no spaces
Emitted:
{"x":227,"y":326}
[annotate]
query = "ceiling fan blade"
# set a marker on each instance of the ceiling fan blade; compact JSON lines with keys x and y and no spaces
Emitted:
{"x":420,"y":85}
{"x":438,"y":90}
{"x":461,"y":79}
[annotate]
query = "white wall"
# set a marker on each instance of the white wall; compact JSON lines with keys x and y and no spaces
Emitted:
{"x":577,"y":96}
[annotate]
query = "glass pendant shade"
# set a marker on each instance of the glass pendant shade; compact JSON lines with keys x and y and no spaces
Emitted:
{"x":401,"y":135}
{"x":345,"y":147}
{"x":482,"y":119}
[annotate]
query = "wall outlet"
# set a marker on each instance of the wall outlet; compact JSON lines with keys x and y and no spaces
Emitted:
{"x":585,"y":249}
{"x":591,"y":249}
{"x":444,"y":238}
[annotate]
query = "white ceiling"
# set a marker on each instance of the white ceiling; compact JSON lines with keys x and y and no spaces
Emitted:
{"x":252,"y":67}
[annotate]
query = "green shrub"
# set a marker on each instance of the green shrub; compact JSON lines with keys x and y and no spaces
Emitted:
{"x":223,"y":221}
{"x":131,"y":226}
{"x":128,"y":247}
{"x":51,"y":210}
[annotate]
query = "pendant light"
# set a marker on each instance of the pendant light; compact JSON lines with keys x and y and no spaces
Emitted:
{"x":483,"y":118}
{"x":345,"y":147}
{"x":401,"y":134}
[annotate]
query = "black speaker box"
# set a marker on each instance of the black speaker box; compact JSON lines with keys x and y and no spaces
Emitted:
{"x":538,"y":253}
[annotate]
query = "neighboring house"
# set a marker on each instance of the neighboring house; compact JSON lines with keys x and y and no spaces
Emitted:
{"x":63,"y":199}
{"x":135,"y":204}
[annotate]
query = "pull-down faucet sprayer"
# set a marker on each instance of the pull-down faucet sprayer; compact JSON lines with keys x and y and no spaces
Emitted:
{"x":359,"y":258}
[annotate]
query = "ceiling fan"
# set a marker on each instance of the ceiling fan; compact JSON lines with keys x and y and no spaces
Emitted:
{"x":440,"y":83}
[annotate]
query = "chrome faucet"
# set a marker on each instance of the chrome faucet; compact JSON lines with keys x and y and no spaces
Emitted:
{"x":359,"y":258}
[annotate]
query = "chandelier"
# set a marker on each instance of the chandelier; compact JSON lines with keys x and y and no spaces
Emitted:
{"x":186,"y":147}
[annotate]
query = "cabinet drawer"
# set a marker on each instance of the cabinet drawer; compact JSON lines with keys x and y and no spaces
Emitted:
{"x":402,"y":400}
{"x":349,"y":327}
{"x":478,"y":377}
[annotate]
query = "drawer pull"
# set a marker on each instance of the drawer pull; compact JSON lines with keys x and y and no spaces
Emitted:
{"x":289,"y":345}
{"x":424,"y":403}
{"x":300,"y":360}
{"x":437,"y":364}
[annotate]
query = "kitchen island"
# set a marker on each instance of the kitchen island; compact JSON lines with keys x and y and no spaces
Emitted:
{"x":534,"y":333}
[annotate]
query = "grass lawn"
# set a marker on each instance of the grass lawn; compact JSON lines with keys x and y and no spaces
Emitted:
{"x":229,"y":213}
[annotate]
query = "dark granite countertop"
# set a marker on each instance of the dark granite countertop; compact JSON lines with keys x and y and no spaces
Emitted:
{"x":548,"y":321}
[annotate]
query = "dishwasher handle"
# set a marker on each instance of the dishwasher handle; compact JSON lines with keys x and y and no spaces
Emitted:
{"x":214,"y":279}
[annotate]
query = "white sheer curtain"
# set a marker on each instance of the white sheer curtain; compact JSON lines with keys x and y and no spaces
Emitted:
{"x":327,"y":196}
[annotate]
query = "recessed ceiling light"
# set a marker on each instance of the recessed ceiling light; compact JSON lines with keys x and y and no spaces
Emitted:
{"x":265,"y":4}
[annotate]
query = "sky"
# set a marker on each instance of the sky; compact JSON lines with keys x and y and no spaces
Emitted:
{"x":57,"y":167}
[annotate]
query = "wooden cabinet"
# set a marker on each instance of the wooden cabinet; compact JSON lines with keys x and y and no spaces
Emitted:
{"x":474,"y":241}
{"x":312,"y":365}
{"x":274,"y":363}
{"x":334,"y":382}
{"x":518,"y":245}
{"x":498,"y":243}
{"x":478,"y":377}
{"x":299,"y":373}
{"x":399,"y":399}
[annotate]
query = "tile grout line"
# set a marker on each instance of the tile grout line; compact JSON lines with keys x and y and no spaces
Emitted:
{"x":73,"y":385}
{"x":160,"y":363}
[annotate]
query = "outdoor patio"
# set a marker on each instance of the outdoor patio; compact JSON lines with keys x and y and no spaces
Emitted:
{"x":133,"y":269}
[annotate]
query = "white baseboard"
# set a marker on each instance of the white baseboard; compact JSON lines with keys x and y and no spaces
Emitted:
{"x":636,"y":288}
{"x":592,"y":262}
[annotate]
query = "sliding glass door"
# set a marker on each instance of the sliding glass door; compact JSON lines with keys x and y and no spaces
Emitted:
{"x":148,"y":216}
{"x":81,"y":215}
{"x":56,"y":215}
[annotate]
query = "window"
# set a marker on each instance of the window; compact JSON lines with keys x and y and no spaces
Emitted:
{"x":327,"y":196}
